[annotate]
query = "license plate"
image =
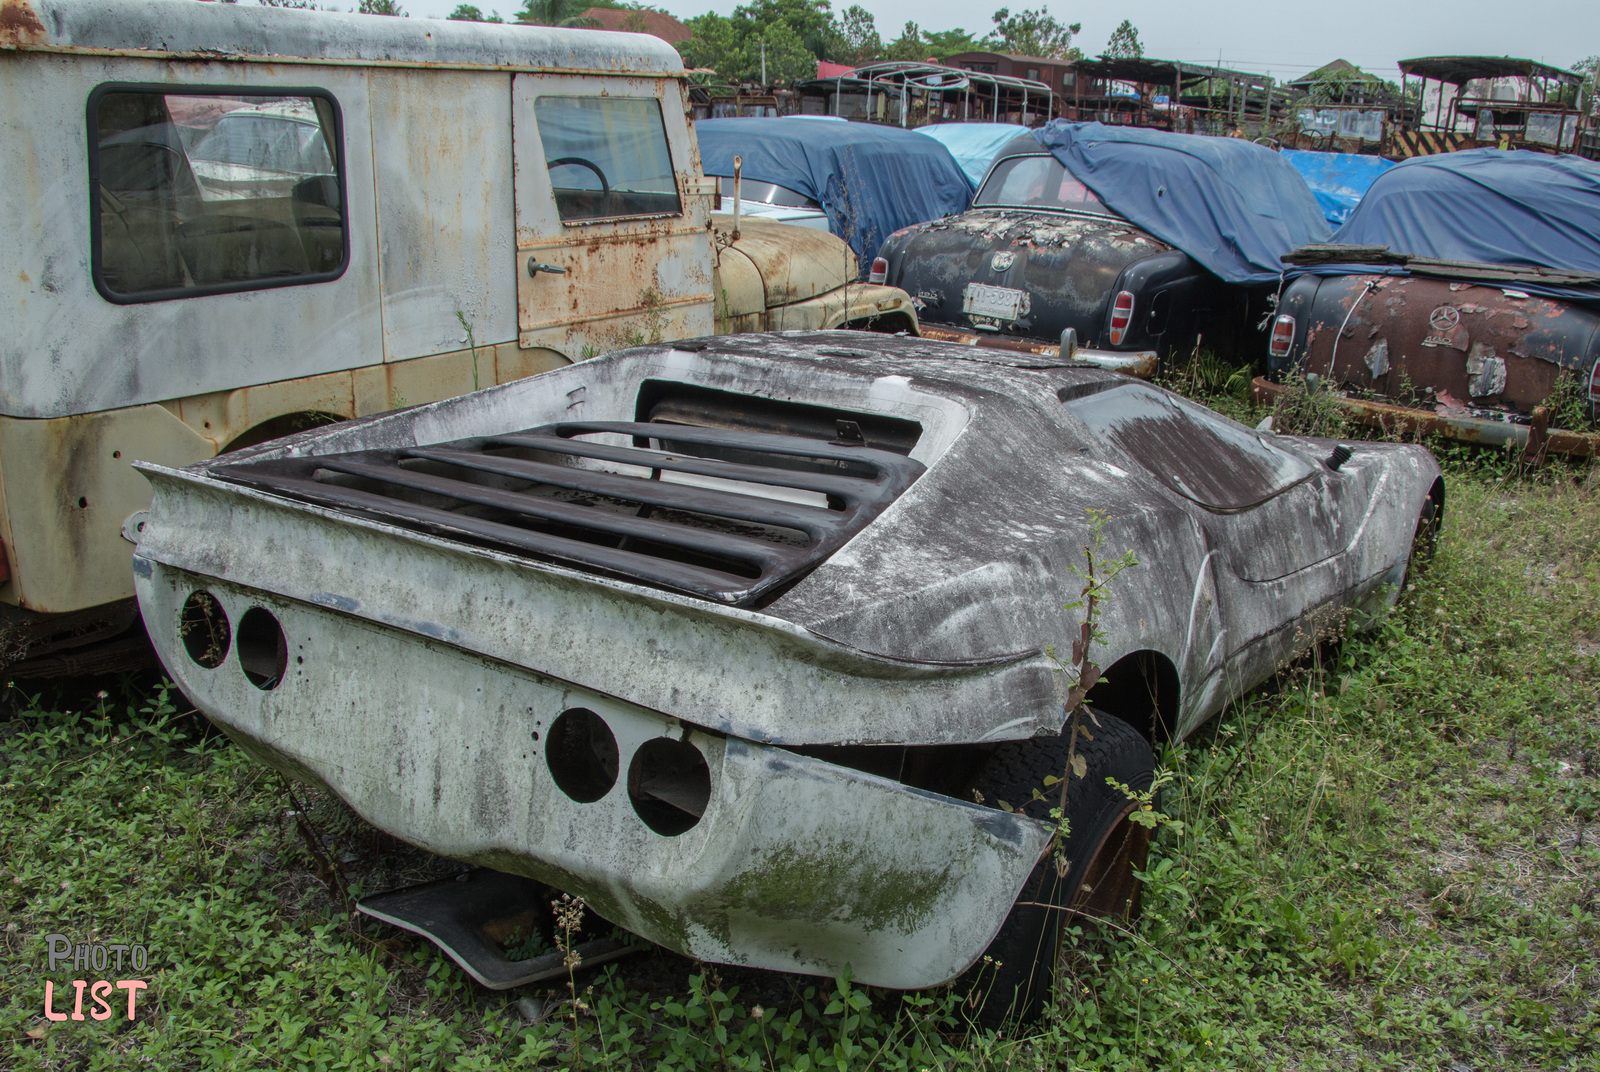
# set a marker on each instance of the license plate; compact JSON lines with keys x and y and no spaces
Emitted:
{"x":1002,"y":303}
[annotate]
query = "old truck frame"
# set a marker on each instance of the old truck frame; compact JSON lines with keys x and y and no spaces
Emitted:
{"x":232,"y":222}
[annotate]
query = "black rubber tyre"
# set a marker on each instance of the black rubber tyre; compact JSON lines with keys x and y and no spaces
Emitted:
{"x":1012,"y":981}
{"x":1429,"y":520}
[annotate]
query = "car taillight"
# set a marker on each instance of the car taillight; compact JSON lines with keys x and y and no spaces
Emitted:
{"x":1282,"y":336}
{"x":880,"y":270}
{"x":1594,"y":384}
{"x":1121,"y":316}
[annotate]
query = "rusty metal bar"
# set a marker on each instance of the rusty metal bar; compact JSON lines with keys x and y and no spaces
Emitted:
{"x":669,"y":574}
{"x":1140,"y":363}
{"x":1487,"y":433}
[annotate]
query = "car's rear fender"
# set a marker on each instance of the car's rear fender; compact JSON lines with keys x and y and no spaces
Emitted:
{"x":1169,"y":290}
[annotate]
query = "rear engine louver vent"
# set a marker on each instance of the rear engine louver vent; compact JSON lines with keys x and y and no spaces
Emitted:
{"x":727,"y":515}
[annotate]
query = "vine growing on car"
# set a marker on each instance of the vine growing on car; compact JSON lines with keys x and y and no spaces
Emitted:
{"x":1081,"y":673}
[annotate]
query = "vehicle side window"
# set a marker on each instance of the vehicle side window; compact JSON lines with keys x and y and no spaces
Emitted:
{"x":206,"y":191}
{"x":1201,"y":455}
{"x":1037,"y":180}
{"x":608,"y":157}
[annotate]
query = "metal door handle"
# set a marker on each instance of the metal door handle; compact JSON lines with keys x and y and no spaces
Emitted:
{"x":534,"y":268}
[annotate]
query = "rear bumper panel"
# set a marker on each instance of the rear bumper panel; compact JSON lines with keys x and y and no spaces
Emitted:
{"x":796,"y":864}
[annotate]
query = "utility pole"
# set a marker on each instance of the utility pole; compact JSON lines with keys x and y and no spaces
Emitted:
{"x":763,"y":63}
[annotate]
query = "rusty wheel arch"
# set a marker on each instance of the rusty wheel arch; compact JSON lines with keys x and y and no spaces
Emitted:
{"x":281,"y":425}
{"x":884,"y":324}
{"x":1142,"y":689}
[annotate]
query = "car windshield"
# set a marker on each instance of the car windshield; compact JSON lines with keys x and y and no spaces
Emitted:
{"x":769,"y":193}
{"x":1037,"y":182}
{"x":284,"y":143}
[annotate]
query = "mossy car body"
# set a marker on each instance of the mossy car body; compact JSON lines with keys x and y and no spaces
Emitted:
{"x":820,"y":572}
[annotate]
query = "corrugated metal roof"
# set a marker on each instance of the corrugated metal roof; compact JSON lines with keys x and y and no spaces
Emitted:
{"x":235,"y":31}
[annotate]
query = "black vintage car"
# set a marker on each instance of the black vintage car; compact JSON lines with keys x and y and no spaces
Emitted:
{"x":1041,"y":254}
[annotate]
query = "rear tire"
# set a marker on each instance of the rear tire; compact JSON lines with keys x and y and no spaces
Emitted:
{"x":1103,"y":848}
{"x":1426,"y":538}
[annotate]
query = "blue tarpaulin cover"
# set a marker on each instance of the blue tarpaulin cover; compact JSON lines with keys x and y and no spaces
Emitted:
{"x":1232,"y":205}
{"x":870,"y":180}
{"x":1485,"y":206}
{"x":974,"y":145}
{"x":1337,"y":180}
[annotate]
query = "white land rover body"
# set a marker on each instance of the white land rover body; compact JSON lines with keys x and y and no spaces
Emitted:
{"x":230,"y":222}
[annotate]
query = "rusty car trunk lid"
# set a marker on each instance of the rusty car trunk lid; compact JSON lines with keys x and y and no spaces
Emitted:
{"x":1065,"y":267}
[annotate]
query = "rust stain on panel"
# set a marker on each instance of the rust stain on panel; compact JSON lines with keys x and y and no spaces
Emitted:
{"x":20,"y":26}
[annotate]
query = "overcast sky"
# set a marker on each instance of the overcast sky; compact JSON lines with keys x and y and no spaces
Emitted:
{"x":1285,"y":38}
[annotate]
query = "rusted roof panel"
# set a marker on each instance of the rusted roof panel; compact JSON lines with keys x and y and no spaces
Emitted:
{"x":1459,"y":70}
{"x":234,"y":31}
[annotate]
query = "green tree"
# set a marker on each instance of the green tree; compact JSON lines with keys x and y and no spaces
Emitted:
{"x":716,"y":44}
{"x":381,"y":7}
{"x":469,"y":13}
{"x":1588,"y":100}
{"x":555,"y":13}
{"x":732,"y":46}
{"x":944,"y":43}
{"x":811,"y":20}
{"x":858,"y":35}
{"x":1035,"y":33}
{"x":788,"y":58}
{"x":910,"y":45}
{"x":1124,"y":42}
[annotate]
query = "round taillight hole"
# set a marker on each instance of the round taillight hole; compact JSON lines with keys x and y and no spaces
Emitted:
{"x":581,"y":752}
{"x":669,"y":784}
{"x":263,"y":652}
{"x":203,"y":625}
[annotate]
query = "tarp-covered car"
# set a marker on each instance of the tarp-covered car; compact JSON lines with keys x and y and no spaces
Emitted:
{"x":743,"y":639}
{"x":1465,"y":286}
{"x":870,"y":180}
{"x":1133,"y":240}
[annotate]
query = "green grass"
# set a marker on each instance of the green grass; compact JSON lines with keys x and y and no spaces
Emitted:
{"x":1388,"y":860}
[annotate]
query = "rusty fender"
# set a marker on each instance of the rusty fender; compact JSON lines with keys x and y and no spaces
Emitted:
{"x":796,"y":864}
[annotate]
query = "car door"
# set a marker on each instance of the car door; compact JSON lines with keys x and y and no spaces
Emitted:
{"x":612,"y":244}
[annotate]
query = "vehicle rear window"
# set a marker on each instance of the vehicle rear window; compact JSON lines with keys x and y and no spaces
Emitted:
{"x":1041,"y":181}
{"x":208,"y":191}
{"x":608,"y":157}
{"x":1201,"y":455}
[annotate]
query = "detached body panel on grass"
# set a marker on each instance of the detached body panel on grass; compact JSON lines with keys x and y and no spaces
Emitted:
{"x":488,"y":648}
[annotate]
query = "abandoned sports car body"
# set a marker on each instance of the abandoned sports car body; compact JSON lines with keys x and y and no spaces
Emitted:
{"x":1130,"y":239}
{"x":731,"y":636}
{"x":1465,"y":285}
